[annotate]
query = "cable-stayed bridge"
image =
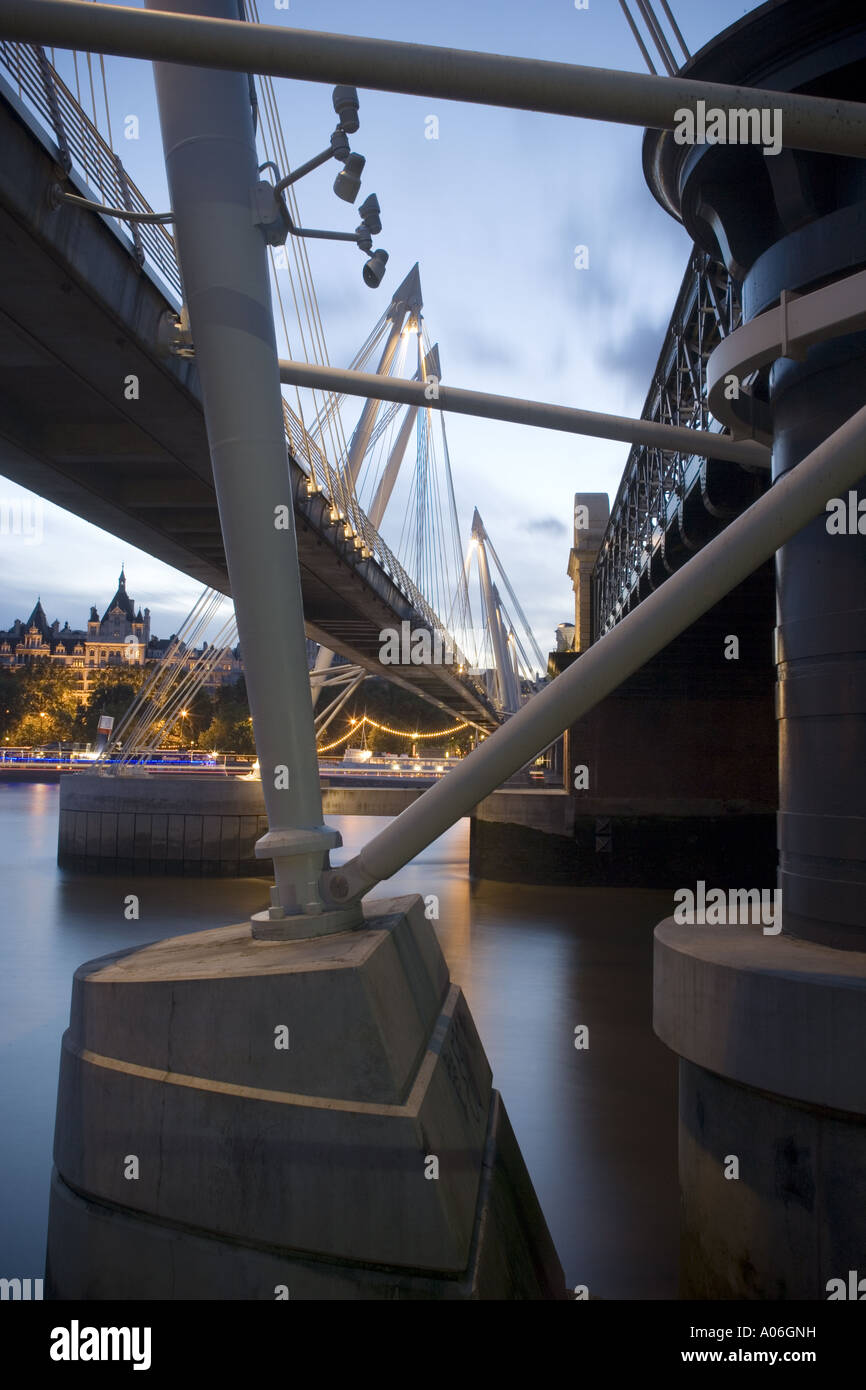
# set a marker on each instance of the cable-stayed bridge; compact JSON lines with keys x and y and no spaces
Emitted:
{"x":101,"y":408}
{"x":133,"y":458}
{"x":764,"y":1014}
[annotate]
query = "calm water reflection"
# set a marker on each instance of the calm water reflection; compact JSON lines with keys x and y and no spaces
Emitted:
{"x":597,"y":1128}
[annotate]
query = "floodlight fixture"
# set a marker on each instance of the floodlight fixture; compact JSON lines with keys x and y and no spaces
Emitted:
{"x":370,"y":214}
{"x":374,"y":269}
{"x":347,"y":184}
{"x":346,"y":106}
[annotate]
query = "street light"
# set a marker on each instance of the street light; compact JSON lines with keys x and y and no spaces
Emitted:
{"x":370,"y":214}
{"x":347,"y":184}
{"x":374,"y":269}
{"x":346,"y":104}
{"x":272,"y":213}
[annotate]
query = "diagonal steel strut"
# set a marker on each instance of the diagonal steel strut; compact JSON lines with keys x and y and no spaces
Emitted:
{"x":749,"y":540}
{"x":671,"y":438}
{"x":489,"y":79}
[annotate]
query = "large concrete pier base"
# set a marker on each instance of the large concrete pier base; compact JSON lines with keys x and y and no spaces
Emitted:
{"x":157,"y":824}
{"x":771,"y":1035}
{"x":314,"y":1119}
{"x":196,"y":825}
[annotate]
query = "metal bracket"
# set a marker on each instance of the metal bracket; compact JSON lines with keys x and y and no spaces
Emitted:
{"x":173,"y":334}
{"x":314,"y":844}
{"x":279,"y":844}
{"x":271,"y":213}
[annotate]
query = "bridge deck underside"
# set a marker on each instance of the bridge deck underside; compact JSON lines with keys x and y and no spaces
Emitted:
{"x":77,"y":321}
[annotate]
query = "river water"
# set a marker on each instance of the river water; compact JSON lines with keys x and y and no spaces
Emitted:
{"x":597,"y":1127}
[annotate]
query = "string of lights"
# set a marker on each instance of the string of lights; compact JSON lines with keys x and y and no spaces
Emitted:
{"x":326,"y":747}
{"x":356,"y":724}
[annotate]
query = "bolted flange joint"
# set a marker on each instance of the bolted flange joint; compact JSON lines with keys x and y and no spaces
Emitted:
{"x":300,"y":858}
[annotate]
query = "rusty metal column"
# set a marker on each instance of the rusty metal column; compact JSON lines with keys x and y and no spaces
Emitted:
{"x":210,"y":157}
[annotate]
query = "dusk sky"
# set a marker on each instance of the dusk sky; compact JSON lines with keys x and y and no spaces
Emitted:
{"x":493,"y":210}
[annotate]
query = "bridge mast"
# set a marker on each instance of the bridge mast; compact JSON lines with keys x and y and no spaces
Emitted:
{"x":211,"y":164}
{"x":427,"y":366}
{"x":492,"y":609}
{"x":406,"y":301}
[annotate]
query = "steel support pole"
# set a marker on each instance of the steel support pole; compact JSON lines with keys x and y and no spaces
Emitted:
{"x":211,"y":164}
{"x":751,"y":538}
{"x":364,"y":428}
{"x":671,"y":438}
{"x":333,"y":710}
{"x":494,"y":626}
{"x":515,"y":667}
{"x":488,"y":79}
{"x":324,"y":657}
{"x":392,"y":469}
{"x":511,"y":690}
{"x":395,"y":458}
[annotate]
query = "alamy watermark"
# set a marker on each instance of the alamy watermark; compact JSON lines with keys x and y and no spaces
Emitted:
{"x":25,"y":1290}
{"x":24,"y":517}
{"x":77,"y":1343}
{"x":854,"y":1288}
{"x":735,"y":125}
{"x":846,"y":516}
{"x":715,"y":907}
{"x":415,"y":647}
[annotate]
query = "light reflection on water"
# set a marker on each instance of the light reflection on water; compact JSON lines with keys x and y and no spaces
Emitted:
{"x":597,"y":1128}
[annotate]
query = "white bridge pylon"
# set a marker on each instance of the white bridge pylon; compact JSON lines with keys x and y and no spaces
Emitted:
{"x":417,"y":506}
{"x":513,"y":668}
{"x":413,"y":506}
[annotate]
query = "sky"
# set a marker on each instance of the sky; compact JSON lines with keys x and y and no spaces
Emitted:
{"x":492,"y":209}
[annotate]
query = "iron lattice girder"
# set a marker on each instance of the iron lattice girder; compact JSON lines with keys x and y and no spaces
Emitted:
{"x":707,"y":309}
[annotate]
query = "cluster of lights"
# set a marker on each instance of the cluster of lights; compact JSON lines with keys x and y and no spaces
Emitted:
{"x":356,"y":724}
{"x":272,"y":211}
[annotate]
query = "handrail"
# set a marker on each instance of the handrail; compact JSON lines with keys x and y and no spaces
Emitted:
{"x":43,"y":91}
{"x":82,"y":147}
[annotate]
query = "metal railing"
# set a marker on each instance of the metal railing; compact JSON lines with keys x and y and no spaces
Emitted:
{"x":346,"y":512}
{"x":82,"y":149}
{"x":654,"y":481}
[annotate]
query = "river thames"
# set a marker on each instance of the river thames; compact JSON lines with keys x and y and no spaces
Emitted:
{"x":597,"y":1127}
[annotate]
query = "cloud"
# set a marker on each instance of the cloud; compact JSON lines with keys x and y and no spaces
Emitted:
{"x":487,"y":351}
{"x":547,"y":526}
{"x":634,"y":357}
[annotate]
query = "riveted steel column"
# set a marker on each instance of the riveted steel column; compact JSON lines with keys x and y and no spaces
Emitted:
{"x":789,"y":226}
{"x":211,"y":163}
{"x":821,"y":655}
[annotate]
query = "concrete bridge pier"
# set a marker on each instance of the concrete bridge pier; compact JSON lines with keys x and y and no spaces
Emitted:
{"x":244,"y":1118}
{"x":299,"y":1107}
{"x":768,"y":1015}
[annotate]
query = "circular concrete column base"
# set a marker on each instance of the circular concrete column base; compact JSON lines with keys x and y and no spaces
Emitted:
{"x":772,"y":1127}
{"x":302,"y":926}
